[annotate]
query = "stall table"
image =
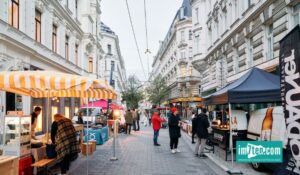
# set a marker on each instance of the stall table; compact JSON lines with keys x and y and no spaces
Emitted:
{"x":79,"y":128}
{"x":9,"y":165}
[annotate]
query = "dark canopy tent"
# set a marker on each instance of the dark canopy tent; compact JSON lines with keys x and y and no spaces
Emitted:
{"x":256,"y":86}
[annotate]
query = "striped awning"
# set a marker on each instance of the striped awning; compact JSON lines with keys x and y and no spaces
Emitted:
{"x":40,"y":84}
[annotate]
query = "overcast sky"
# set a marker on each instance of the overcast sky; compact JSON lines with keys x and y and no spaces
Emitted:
{"x":160,"y":14}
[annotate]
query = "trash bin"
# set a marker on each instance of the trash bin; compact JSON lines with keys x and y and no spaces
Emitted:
{"x":94,"y":134}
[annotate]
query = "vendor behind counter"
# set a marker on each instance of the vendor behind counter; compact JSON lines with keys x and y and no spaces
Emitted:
{"x":34,"y":118}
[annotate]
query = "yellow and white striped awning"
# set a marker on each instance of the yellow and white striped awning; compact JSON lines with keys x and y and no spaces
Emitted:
{"x":39,"y":84}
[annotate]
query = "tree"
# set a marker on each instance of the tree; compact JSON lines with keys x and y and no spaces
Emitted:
{"x":157,"y":90}
{"x":133,"y":93}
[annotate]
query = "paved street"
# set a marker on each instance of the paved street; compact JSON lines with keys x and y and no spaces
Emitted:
{"x":137,"y":155}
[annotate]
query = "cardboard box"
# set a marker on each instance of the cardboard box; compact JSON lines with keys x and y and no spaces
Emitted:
{"x":87,"y":149}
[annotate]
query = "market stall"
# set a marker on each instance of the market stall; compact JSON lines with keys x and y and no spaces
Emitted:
{"x":46,"y":84}
{"x":256,"y":86}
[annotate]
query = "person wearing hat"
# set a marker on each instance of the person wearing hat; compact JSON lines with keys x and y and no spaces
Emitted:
{"x":156,"y":124}
{"x":174,"y":130}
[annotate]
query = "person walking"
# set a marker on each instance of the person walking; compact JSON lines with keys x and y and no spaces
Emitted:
{"x":174,"y":130}
{"x":134,"y":117}
{"x":202,"y":132}
{"x":145,"y":118}
{"x":194,"y":126}
{"x":156,"y":124}
{"x":137,"y":119}
{"x":128,"y":121}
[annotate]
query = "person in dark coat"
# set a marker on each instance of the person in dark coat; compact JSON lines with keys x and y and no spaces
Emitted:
{"x":80,"y":118}
{"x":194,"y":126}
{"x":174,"y":130}
{"x":128,"y":121}
{"x":202,"y":132}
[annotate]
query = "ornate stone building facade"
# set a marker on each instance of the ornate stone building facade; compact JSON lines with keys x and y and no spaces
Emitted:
{"x":113,"y":61}
{"x":55,"y":35}
{"x":173,"y":60}
{"x":236,"y":35}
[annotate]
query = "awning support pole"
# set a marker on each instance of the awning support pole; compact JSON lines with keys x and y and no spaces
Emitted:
{"x":232,"y":170}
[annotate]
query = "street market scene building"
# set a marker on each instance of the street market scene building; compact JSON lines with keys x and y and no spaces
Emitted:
{"x":149,"y":87}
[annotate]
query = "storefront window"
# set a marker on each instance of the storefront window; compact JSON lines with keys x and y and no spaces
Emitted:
{"x":67,"y":112}
{"x":54,"y":111}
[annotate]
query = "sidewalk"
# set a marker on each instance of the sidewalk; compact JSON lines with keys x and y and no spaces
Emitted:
{"x":219,"y":159}
{"x":138,"y":156}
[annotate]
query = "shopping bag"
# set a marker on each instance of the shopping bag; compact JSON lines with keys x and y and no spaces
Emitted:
{"x":50,"y":151}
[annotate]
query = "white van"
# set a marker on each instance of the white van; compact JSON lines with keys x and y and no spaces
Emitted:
{"x":278,"y":132}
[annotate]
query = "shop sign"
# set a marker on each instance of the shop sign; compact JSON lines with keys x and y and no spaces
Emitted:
{"x":290,"y":94}
{"x":259,"y":151}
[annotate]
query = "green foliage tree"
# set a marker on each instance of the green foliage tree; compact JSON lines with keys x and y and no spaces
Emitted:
{"x":157,"y":90}
{"x":133,"y":93}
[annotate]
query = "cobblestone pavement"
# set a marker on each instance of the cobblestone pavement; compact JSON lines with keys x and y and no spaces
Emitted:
{"x":137,"y":156}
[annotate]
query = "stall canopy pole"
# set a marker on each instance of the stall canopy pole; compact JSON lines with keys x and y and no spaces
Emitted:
{"x":87,"y":135}
{"x":231,"y":140}
{"x":48,"y":114}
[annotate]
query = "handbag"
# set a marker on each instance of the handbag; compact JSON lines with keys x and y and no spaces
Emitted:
{"x":50,"y":151}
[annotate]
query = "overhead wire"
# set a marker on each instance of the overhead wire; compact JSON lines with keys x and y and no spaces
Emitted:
{"x":147,"y":52}
{"x":135,"y":39}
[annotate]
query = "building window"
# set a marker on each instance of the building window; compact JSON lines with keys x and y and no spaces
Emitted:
{"x":112,"y":64}
{"x":197,"y":15}
{"x":38,"y":32}
{"x":91,"y":65}
{"x":191,"y":70}
{"x":67,"y":48}
{"x":296,"y":13}
{"x":182,"y":54}
{"x":250,"y":53}
{"x":182,"y":35}
{"x":67,"y":3}
{"x":236,"y":61}
{"x":237,"y":10}
{"x":270,"y":41}
{"x":181,"y":13}
{"x":76,"y":9}
{"x":76,"y":54}
{"x":54,"y":38}
{"x":197,"y":42}
{"x":190,"y":52}
{"x":109,"y":49}
{"x":190,"y":35}
{"x":13,"y":16}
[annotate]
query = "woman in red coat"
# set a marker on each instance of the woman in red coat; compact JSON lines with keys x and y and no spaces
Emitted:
{"x":156,"y":124}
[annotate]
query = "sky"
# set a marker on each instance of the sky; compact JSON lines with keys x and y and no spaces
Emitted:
{"x":160,"y":14}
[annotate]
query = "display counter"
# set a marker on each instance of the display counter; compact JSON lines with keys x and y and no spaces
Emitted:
{"x":9,"y":165}
{"x":221,"y":137}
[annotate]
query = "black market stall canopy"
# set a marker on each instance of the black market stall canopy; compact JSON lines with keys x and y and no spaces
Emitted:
{"x":254,"y":87}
